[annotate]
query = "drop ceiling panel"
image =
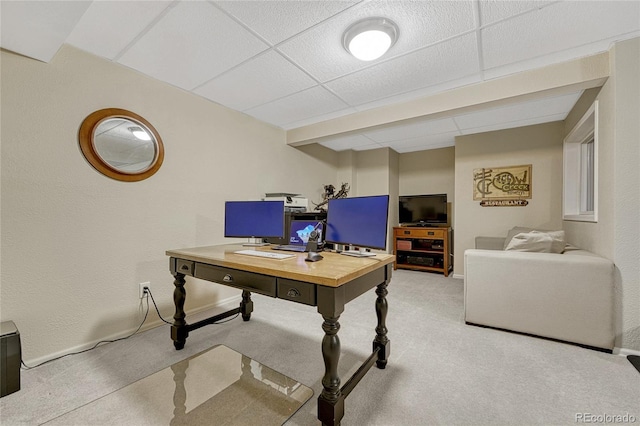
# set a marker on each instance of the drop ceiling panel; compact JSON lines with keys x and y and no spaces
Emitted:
{"x":492,"y":10}
{"x":263,"y":79}
{"x":342,"y":143}
{"x":412,"y":130}
{"x":423,"y":143}
{"x":540,"y":108}
{"x":421,"y":23}
{"x":418,"y":93}
{"x":514,"y":124}
{"x":192,"y":43}
{"x":446,"y":61}
{"x":557,"y":27}
{"x":276,"y":21}
{"x":37,"y":29}
{"x":299,"y":106}
{"x":108,"y":27}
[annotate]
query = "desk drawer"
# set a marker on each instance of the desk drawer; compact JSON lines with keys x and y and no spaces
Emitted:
{"x":250,"y":281}
{"x":184,"y":266}
{"x":297,"y":291}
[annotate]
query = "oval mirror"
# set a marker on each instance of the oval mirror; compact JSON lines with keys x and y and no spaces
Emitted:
{"x":121,"y":144}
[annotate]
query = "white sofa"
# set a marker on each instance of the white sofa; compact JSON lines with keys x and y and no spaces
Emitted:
{"x":568,"y":296}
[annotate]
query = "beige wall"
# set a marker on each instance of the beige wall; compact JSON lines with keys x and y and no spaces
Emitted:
{"x":540,"y":146}
{"x":75,"y":244}
{"x":429,"y":172}
{"x":372,"y":172}
{"x":616,"y":235}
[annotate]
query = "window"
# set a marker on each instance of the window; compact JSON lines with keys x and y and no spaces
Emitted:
{"x":580,"y":195}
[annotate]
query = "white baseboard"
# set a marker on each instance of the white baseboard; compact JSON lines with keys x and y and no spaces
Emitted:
{"x":458,"y":276}
{"x":625,"y":351}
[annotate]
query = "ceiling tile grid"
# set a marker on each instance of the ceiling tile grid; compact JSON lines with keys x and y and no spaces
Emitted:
{"x":276,"y":21}
{"x":421,"y":23}
{"x":558,"y":27}
{"x":37,"y":28}
{"x":283,"y":61}
{"x":108,"y":27}
{"x":456,"y":58}
{"x":412,"y":130}
{"x":263,"y":79}
{"x":191,"y":44}
{"x":302,"y":105}
{"x":492,"y":11}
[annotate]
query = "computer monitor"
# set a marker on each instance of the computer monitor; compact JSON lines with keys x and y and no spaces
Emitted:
{"x":300,"y":230}
{"x":358,"y":221}
{"x":254,"y":220}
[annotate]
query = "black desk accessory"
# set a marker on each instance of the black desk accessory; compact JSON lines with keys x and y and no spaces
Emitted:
{"x":312,"y":245}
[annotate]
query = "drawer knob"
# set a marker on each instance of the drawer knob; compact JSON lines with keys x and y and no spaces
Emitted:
{"x":228,"y":278}
{"x":185,"y":267}
{"x":293,"y":292}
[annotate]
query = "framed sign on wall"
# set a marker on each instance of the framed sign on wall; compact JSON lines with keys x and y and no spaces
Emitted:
{"x":502,"y":186}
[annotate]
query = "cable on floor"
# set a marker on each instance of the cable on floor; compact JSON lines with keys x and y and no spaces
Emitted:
{"x":26,"y":367}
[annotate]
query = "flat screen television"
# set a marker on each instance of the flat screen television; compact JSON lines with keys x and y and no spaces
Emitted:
{"x":254,"y":220}
{"x":358,"y":221}
{"x":423,"y":210}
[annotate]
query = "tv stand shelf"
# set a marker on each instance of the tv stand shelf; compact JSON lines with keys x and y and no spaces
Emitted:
{"x":423,"y":248}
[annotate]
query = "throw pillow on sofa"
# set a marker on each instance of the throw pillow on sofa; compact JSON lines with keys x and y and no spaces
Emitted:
{"x":533,"y":241}
{"x":538,"y":241}
{"x":513,"y":232}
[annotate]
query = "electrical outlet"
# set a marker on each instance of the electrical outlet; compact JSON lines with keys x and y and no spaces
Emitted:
{"x":142,"y":290}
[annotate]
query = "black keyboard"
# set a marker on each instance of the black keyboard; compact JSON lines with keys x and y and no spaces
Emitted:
{"x":290,"y":247}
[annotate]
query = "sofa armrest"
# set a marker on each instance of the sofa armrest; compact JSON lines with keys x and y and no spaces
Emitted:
{"x":490,"y":243}
{"x":567,"y":297}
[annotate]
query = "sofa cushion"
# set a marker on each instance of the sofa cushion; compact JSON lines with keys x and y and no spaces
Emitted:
{"x":558,"y":242}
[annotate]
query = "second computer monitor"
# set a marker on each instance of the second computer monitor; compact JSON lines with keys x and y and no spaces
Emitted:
{"x":358,"y":221}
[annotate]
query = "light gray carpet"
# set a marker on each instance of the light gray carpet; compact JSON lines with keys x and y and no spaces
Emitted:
{"x":440,"y":372}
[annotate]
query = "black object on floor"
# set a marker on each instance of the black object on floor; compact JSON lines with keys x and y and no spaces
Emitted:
{"x":635,"y":361}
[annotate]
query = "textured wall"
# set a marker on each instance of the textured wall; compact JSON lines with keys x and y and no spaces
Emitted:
{"x":540,"y":146}
{"x":429,"y":172}
{"x":627,"y":187}
{"x":616,"y":235}
{"x":75,"y":244}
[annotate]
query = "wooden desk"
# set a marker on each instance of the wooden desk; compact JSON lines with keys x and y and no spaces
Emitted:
{"x":328,"y":284}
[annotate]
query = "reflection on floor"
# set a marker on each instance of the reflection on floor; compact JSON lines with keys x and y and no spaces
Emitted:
{"x":217,"y":386}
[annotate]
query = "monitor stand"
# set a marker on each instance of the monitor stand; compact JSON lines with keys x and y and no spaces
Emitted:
{"x":357,"y":253}
{"x":254,"y":242}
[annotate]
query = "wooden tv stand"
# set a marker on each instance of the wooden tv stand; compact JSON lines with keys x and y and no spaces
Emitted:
{"x":423,"y":248}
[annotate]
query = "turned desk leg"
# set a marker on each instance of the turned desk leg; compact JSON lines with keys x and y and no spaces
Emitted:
{"x":179,"y":331}
{"x":331,"y":400}
{"x":381,"y":341}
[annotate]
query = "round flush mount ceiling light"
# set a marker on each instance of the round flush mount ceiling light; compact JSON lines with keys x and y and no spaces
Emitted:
{"x":370,"y":38}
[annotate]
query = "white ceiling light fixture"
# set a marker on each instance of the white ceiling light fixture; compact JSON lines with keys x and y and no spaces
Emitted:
{"x":370,"y":38}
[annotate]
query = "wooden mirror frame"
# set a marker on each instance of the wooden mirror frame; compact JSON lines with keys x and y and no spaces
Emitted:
{"x":85,"y":137}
